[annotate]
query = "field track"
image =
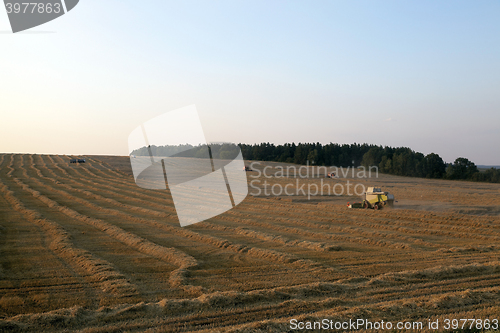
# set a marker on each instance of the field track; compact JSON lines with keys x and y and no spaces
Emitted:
{"x":83,"y":248}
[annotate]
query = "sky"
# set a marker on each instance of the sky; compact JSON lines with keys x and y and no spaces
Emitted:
{"x":419,"y":74}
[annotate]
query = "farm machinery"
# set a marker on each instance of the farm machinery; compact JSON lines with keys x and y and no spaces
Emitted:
{"x":374,"y":199}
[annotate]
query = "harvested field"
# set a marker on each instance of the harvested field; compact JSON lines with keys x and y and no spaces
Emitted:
{"x":82,"y":248}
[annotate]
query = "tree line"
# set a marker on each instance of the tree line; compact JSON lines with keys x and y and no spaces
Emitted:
{"x":333,"y":154}
{"x":400,"y":161}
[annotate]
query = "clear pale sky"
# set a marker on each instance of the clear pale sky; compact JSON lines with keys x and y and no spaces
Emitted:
{"x":422,"y":74}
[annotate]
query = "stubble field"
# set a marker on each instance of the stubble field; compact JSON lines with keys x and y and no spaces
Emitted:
{"x":82,"y":248}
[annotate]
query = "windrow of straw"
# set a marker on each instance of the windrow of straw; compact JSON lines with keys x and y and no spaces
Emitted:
{"x":335,"y":236}
{"x":217,"y":302}
{"x":100,"y":197}
{"x":267,"y":254}
{"x":469,"y":249}
{"x":102,"y":272}
{"x":465,"y":298}
{"x":311,"y":245}
{"x":127,"y":191}
{"x":117,"y":177}
{"x":107,"y":167}
{"x":400,"y":310}
{"x":331,"y":226}
{"x":171,"y":255}
{"x":9,"y":166}
{"x":261,"y":253}
{"x":442,"y":272}
{"x":162,"y":209}
{"x":56,"y":165}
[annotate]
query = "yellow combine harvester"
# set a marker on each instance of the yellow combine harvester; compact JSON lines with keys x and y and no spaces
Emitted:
{"x":374,"y":199}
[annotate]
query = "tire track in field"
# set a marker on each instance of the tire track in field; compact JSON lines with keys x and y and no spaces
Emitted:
{"x":439,"y":222}
{"x":247,"y":212}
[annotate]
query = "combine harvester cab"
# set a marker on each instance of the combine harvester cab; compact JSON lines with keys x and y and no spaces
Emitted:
{"x":374,"y":199}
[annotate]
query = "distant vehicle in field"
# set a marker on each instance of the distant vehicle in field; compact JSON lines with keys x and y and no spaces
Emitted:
{"x":375,"y":198}
{"x":77,"y":160}
{"x":247,"y":168}
{"x":331,"y":175}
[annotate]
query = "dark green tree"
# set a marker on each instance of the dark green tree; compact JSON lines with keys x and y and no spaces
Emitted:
{"x":434,"y":166}
{"x":462,"y":168}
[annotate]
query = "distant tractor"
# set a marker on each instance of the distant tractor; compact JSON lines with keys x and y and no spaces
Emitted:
{"x":247,"y":168}
{"x":374,"y":199}
{"x":79,"y":160}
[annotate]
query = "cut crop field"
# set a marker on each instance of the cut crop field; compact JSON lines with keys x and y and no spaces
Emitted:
{"x":82,"y":248}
